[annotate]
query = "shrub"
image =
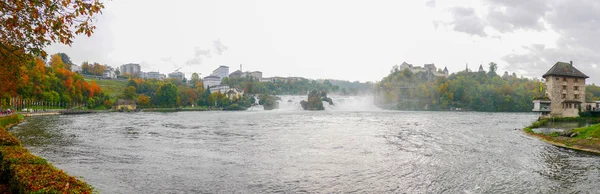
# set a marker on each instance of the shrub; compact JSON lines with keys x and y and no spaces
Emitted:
{"x":529,"y":130}
{"x":27,"y":173}
{"x":44,"y":178}
{"x":7,"y":139}
{"x":10,"y":155}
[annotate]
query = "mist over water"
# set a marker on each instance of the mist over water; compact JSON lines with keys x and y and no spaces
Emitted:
{"x":347,"y":148}
{"x":340,"y":103}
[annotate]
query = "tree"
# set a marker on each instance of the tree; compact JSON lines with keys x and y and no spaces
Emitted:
{"x":195,"y":79}
{"x":85,"y":68}
{"x":66,"y":60}
{"x":143,"y":100}
{"x":167,"y":94}
{"x":129,"y":93}
{"x":493,"y":68}
{"x":56,"y":62}
{"x":29,"y":26}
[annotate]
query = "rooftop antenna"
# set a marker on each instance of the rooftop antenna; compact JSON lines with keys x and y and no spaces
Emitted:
{"x":241,"y":67}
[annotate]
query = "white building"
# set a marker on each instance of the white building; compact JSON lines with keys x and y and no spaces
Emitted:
{"x":76,"y":68}
{"x":130,"y":69}
{"x":256,"y":74}
{"x":222,"y":72}
{"x":211,"y":81}
{"x":177,"y":75}
{"x":153,"y":75}
{"x":234,"y":93}
{"x":109,"y":73}
{"x":219,"y":88}
{"x":266,"y":79}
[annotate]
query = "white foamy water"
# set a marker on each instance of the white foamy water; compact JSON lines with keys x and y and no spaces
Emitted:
{"x":340,"y":103}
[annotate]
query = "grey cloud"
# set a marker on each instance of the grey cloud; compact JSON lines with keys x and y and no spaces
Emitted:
{"x":539,"y":59}
{"x":465,"y":20}
{"x":200,"y":54}
{"x":219,"y":47}
{"x":430,"y":3}
{"x":577,"y":23}
{"x":510,"y":15}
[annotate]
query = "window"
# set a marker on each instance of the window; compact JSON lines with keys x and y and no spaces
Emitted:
{"x":556,"y":78}
{"x":576,"y":88}
{"x":576,"y":79}
{"x":576,"y":96}
{"x":564,"y":78}
{"x":564,"y":96}
{"x":564,"y":87}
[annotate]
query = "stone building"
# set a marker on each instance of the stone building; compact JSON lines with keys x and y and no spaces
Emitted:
{"x":124,"y":105}
{"x":565,"y":92}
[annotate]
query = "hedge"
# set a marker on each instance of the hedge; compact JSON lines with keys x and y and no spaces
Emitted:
{"x":28,"y":173}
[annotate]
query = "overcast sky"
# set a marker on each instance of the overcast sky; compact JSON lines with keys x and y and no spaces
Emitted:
{"x":343,"y":39}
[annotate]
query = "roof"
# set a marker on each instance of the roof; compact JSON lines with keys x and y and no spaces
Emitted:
{"x":564,"y":69}
{"x":125,"y":102}
{"x":212,"y":76}
{"x":571,"y":101}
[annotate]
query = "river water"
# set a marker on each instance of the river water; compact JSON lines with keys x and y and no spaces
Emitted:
{"x":293,"y":151}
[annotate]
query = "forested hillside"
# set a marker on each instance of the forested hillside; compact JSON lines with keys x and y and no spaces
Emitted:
{"x":476,"y":91}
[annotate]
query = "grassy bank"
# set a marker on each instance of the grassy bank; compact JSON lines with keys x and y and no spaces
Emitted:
{"x":28,"y":173}
{"x":584,"y":138}
{"x":112,"y":88}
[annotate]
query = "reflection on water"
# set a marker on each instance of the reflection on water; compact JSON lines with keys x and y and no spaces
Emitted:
{"x":293,"y":151}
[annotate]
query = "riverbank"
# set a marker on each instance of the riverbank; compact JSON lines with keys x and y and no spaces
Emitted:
{"x":583,"y":139}
{"x":23,"y":172}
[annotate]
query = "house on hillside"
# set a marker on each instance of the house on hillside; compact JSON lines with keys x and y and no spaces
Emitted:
{"x":234,"y":93}
{"x":109,"y":73}
{"x":124,"y":105}
{"x":565,"y":92}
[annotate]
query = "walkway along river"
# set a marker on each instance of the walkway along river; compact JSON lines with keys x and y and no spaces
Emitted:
{"x":301,"y":151}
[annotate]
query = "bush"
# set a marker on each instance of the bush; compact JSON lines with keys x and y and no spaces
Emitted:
{"x":537,"y":124}
{"x":234,"y":107}
{"x":7,"y":139}
{"x":44,"y":178}
{"x":10,"y":155}
{"x":28,"y":173}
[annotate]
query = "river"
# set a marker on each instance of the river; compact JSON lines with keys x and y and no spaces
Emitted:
{"x":293,"y":151}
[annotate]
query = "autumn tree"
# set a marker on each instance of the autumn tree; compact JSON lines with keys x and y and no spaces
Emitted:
{"x":195,"y":79}
{"x":129,"y":93}
{"x":56,"y":62}
{"x":66,"y":60}
{"x":29,"y":26}
{"x":85,"y":67}
{"x":143,"y":100}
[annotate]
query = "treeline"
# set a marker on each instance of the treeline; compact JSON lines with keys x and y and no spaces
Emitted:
{"x":30,"y":79}
{"x":296,"y":86}
{"x":172,"y":93}
{"x":476,"y":91}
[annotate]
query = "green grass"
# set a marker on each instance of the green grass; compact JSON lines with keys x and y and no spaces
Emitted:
{"x":112,"y":88}
{"x":592,"y":131}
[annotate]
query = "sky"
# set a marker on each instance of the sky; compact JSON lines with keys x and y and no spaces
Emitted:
{"x":343,"y":39}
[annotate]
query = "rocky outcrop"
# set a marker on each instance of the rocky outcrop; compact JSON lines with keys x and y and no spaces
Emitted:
{"x":269,"y":102}
{"x":315,"y":100}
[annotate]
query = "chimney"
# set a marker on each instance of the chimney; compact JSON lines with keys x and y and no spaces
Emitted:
{"x":571,"y":62}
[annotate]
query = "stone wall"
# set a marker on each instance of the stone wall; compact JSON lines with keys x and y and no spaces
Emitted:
{"x":565,"y":85}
